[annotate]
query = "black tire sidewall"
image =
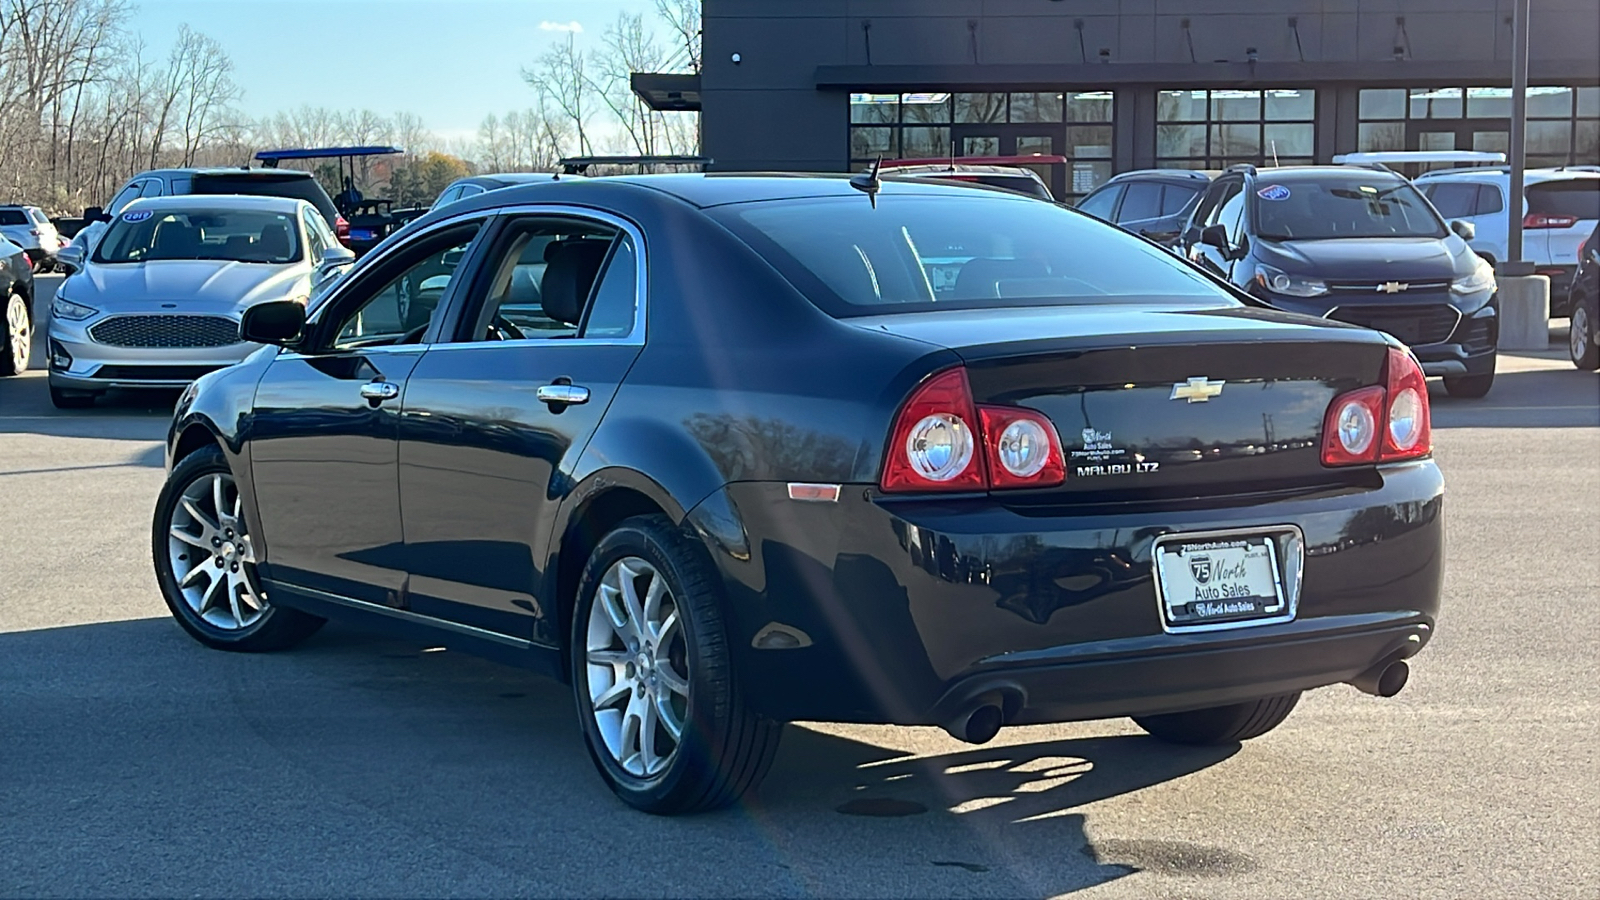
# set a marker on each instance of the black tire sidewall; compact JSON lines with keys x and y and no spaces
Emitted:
{"x":200,"y":463}
{"x":653,"y":540}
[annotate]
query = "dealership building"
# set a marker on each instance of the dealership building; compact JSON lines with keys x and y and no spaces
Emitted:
{"x":829,"y":85}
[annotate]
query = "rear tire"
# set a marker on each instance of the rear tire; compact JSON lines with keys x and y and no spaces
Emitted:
{"x":672,"y":673}
{"x":1581,"y":345}
{"x":18,"y":322}
{"x":1469,"y":387}
{"x":65,"y":399}
{"x":210,"y":585}
{"x":1221,"y":724}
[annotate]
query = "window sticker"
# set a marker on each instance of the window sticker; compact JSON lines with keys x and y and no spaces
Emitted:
{"x":1273,"y":192}
{"x":138,"y":215}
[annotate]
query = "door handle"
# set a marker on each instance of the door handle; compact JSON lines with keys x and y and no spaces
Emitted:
{"x":564,"y":394}
{"x":379,"y":391}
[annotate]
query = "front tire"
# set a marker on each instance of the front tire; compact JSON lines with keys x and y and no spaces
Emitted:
{"x":19,"y":336}
{"x":1469,"y":387}
{"x":1581,"y":344}
{"x":206,"y":566}
{"x":1221,"y":724}
{"x":653,"y":676}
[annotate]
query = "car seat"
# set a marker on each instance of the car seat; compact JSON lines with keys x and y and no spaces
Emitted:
{"x":275,"y":244}
{"x":571,"y":267}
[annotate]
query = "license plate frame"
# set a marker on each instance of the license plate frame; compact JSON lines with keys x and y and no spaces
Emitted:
{"x":1266,"y":592}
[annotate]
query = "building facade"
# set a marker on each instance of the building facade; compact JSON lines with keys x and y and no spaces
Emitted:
{"x":829,"y":85}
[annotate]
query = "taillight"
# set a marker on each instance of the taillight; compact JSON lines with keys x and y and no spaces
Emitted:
{"x":1024,"y":450}
{"x":341,"y":229}
{"x":1541,"y":220}
{"x":942,"y":441}
{"x":1382,"y":423}
{"x":934,"y":444}
{"x":1408,"y":428}
{"x":34,"y":232}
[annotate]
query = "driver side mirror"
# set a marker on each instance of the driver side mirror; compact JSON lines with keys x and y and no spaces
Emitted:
{"x":1464,"y":230}
{"x":453,"y":257}
{"x":281,"y":322}
{"x":70,"y":258}
{"x":338,"y":255}
{"x":1216,"y":236}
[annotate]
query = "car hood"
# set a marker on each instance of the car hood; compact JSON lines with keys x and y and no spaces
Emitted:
{"x":188,"y":283}
{"x":1370,"y":259}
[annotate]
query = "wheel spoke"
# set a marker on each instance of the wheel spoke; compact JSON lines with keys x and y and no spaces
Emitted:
{"x":647,"y":737}
{"x":217,"y":488}
{"x":628,"y":747}
{"x":610,"y":602}
{"x":669,"y":630}
{"x":672,"y":680}
{"x":197,"y":540}
{"x":611,"y":695}
{"x":652,"y":602}
{"x":669,"y":718}
{"x":208,"y":527}
{"x":233,"y":602}
{"x":630,"y":599}
{"x":608,"y":657}
{"x":193,"y":575}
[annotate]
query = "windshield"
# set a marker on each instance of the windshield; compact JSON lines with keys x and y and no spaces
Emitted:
{"x":250,"y":236}
{"x":1325,"y":205}
{"x":969,"y":252}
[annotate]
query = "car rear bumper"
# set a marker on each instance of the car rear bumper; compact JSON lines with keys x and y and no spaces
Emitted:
{"x":907,"y":611}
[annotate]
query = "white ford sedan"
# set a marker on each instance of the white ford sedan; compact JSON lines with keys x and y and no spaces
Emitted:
{"x":157,"y":302}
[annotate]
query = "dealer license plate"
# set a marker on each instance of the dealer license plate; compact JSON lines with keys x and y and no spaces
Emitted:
{"x":1220,"y":580}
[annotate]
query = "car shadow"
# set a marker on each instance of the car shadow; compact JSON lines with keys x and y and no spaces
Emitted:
{"x":449,"y":755}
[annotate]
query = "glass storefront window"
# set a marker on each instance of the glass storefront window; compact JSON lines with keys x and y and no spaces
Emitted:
{"x":1088,"y":106}
{"x":926,"y":109}
{"x":917,"y":143}
{"x":980,"y":107}
{"x":1381,"y":136}
{"x":870,"y":142}
{"x":1214,"y":129}
{"x":1589,"y":101}
{"x":1089,"y":141}
{"x":874,"y":109}
{"x":1436,"y":103}
{"x":1036,"y":107}
{"x":1385,"y":103}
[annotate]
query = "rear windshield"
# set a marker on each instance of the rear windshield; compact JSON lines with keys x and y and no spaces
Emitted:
{"x":250,"y":236}
{"x":1325,"y":205}
{"x":1579,"y":198}
{"x":300,"y":188}
{"x":970,"y":252}
{"x":1020,"y":184}
{"x":13,"y":217}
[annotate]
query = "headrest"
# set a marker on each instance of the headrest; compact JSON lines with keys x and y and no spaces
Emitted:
{"x":569,"y":273}
{"x":174,"y":240}
{"x":275,"y":243}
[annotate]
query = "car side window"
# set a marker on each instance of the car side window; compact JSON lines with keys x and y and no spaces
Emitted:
{"x":127,"y":195}
{"x":1142,"y":201}
{"x":469,"y":190}
{"x":1489,"y":200}
{"x":557,"y":278}
{"x":1231,"y":216}
{"x":152,"y":188}
{"x":450,"y":195}
{"x":1454,"y":200}
{"x":400,"y":308}
{"x":1174,"y":198}
{"x":1204,"y":213}
{"x":314,"y":237}
{"x":1230,"y":191}
{"x":1100,"y":203}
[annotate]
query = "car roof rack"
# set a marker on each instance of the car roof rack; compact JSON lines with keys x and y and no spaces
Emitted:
{"x":1241,"y":167}
{"x":953,"y":161}
{"x":1459,"y":157}
{"x":579,"y":165}
{"x":271,"y":158}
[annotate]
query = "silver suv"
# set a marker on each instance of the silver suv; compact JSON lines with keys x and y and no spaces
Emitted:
{"x":29,"y":228}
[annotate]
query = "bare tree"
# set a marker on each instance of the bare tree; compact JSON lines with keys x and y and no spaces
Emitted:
{"x":683,"y":20}
{"x":561,"y":79}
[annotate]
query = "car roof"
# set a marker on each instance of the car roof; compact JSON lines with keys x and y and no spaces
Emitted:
{"x":228,"y":170}
{"x":214,"y":201}
{"x":1503,"y":173}
{"x":1175,"y":176}
{"x":506,"y":179}
{"x":933,"y":169}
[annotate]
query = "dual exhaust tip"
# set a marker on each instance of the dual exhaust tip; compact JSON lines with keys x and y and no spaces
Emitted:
{"x":979,"y":722}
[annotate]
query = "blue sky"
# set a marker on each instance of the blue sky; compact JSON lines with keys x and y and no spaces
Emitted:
{"x":450,"y":61}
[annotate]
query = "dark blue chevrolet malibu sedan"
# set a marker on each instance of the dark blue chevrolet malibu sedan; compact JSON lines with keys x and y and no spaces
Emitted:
{"x":725,"y":452}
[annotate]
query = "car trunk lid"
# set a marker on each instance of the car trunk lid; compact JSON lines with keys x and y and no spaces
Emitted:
{"x":1163,"y":400}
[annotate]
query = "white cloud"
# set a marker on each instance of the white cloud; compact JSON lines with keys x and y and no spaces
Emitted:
{"x":573,"y":27}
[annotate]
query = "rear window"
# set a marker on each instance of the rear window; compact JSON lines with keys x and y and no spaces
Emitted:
{"x":300,"y":188}
{"x":917,"y":253}
{"x":1579,"y":198}
{"x":13,"y":217}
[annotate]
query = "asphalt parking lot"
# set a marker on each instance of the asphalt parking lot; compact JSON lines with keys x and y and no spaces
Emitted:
{"x":133,"y":762}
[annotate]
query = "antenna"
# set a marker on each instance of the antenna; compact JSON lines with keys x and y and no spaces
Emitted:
{"x":1274,"y":146}
{"x":869,"y":183}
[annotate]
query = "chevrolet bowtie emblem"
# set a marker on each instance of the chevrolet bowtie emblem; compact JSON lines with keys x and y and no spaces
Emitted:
{"x":1196,"y":390}
{"x":1392,"y":287}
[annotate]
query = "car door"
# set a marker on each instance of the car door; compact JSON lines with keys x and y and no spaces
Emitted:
{"x":494,"y":420}
{"x":1228,"y":205}
{"x":324,"y":426}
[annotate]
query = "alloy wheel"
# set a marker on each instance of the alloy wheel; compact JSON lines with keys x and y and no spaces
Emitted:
{"x":212,"y":559}
{"x":19,"y":333}
{"x":637,"y":666}
{"x":1579,"y":331}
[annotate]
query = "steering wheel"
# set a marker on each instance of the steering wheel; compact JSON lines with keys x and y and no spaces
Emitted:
{"x":501,"y":329}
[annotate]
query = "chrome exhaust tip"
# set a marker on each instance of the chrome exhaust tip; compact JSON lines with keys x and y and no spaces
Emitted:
{"x":1383,"y":680}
